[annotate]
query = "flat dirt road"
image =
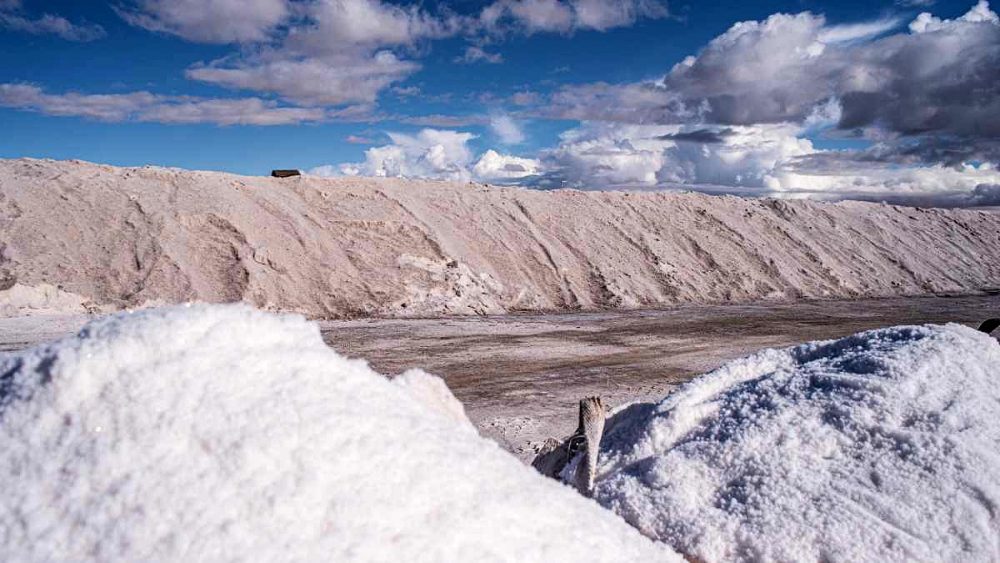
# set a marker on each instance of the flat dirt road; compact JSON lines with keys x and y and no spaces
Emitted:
{"x":520,"y":376}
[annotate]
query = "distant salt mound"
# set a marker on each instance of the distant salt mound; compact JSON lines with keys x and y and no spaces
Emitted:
{"x":393,"y":247}
{"x":881,"y":446}
{"x":223,"y":433}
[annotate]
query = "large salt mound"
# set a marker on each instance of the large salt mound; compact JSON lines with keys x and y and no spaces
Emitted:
{"x":85,"y":237}
{"x":881,"y":446}
{"x":224,"y":433}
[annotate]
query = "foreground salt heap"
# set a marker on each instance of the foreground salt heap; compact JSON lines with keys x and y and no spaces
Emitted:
{"x":881,"y":446}
{"x":223,"y":433}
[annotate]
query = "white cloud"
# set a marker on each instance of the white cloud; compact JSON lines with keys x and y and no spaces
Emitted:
{"x":930,"y":97}
{"x":980,"y":13}
{"x":495,"y":167}
{"x":338,"y":52}
{"x":604,"y":14}
{"x":597,"y":156}
{"x":334,"y":52}
{"x":857,"y":31}
{"x":11,"y":17}
{"x":475,"y":54}
{"x":431,"y":153}
{"x":435,"y":154}
{"x":767,"y":159}
{"x":758,"y":72}
{"x":562,"y":16}
{"x":222,"y":111}
{"x":365,"y":23}
{"x":542,"y":15}
{"x":605,"y":156}
{"x":506,"y":129}
{"x":209,"y":21}
{"x":351,"y":77}
{"x":860,"y":179}
{"x":147,"y":107}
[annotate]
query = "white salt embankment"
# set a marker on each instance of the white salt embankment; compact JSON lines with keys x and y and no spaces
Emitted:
{"x":221,"y":433}
{"x":883,"y":446}
{"x":78,"y":237}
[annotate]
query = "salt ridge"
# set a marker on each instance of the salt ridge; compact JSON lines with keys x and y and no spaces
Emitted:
{"x":85,"y":237}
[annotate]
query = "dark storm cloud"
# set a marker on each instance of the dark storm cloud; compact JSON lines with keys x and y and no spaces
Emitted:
{"x":945,"y":150}
{"x":703,"y":136}
{"x":986,"y":195}
{"x":937,"y":81}
{"x":940,"y":76}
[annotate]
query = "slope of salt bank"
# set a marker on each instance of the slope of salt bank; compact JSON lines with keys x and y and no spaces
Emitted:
{"x":375,"y":247}
{"x":225,"y":433}
{"x":880,"y":446}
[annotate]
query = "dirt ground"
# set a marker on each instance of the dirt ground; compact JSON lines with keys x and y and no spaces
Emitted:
{"x":520,"y":376}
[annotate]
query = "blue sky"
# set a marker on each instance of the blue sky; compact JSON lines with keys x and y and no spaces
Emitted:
{"x":564,"y":92}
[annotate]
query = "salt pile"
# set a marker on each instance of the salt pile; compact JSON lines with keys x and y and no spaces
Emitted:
{"x":225,"y":433}
{"x":881,"y":446}
{"x":376,"y":247}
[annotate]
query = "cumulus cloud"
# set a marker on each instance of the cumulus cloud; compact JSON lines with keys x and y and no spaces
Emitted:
{"x":147,"y":107}
{"x":13,"y":18}
{"x":927,"y":95}
{"x":431,"y":153}
{"x":939,"y":77}
{"x":768,"y":159}
{"x":603,"y":155}
{"x":506,"y":129}
{"x":561,"y":16}
{"x":209,"y":21}
{"x":779,"y":69}
{"x":495,"y":167}
{"x":864,"y":175}
{"x":435,"y":154}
